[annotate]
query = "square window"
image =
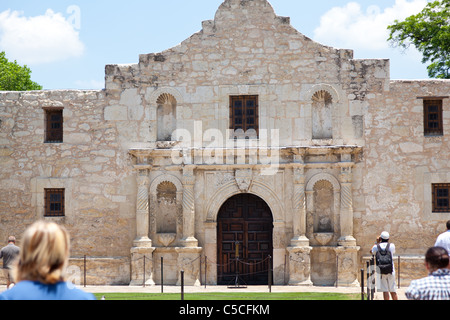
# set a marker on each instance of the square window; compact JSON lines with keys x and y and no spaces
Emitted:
{"x":441,"y":197}
{"x":54,"y":203}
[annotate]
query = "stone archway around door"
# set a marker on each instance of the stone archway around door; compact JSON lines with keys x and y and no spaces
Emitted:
{"x":244,"y":240}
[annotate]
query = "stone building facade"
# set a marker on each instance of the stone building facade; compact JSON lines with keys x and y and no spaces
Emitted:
{"x":248,"y":140}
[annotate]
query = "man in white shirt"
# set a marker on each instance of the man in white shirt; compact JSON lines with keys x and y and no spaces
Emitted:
{"x":443,"y":240}
{"x":386,"y":282}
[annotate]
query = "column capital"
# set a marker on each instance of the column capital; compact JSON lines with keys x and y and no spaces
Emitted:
{"x":188,"y":174}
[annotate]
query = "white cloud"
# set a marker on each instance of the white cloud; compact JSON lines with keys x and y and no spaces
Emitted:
{"x":41,"y":39}
{"x":352,"y":28}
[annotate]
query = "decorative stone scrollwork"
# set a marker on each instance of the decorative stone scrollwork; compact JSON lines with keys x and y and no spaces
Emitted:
{"x":243,"y":179}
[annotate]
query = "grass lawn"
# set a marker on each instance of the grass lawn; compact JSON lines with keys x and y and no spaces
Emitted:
{"x":230,"y":296}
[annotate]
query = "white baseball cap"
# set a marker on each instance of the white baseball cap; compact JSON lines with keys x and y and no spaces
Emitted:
{"x":384,"y":235}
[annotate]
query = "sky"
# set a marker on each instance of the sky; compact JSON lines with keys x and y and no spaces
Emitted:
{"x":67,"y":43}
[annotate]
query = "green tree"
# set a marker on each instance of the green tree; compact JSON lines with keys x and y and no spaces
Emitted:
{"x":429,"y":32}
{"x":14,"y":77}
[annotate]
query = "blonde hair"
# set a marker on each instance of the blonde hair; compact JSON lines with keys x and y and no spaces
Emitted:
{"x":44,"y":253}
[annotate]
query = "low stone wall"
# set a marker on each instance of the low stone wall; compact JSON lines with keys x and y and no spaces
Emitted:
{"x":100,"y":271}
{"x":411,"y":267}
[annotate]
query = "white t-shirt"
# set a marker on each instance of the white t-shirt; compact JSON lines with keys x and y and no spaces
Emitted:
{"x":443,"y":240}
{"x":383,"y":246}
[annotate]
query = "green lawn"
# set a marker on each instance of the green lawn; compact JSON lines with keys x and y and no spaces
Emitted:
{"x":229,"y":296}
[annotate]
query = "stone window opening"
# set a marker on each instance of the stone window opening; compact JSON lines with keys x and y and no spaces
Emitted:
{"x":244,"y":117}
{"x":433,"y":117}
{"x":54,"y":203}
{"x":54,"y":125}
{"x":166,"y":116}
{"x":441,"y":197}
{"x":322,"y":125}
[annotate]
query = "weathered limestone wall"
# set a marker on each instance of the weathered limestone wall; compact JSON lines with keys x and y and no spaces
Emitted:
{"x":89,"y":164}
{"x":400,"y":166}
{"x":262,"y":54}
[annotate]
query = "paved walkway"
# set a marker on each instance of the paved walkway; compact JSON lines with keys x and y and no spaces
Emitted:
{"x":213,"y":289}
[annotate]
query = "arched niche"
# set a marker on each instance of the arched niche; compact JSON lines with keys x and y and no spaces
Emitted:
{"x":322,"y":115}
{"x":166,"y":192}
{"x":323,"y":205}
{"x":166,"y":116}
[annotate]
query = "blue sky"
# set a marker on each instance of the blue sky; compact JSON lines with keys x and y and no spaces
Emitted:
{"x":67,"y":43}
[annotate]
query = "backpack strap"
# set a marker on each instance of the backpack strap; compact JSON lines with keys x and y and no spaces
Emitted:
{"x":385,"y":250}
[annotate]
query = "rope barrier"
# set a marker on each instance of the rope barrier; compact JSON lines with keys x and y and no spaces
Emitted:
{"x":247,"y":269}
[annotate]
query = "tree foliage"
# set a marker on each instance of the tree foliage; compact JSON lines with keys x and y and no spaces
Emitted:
{"x":429,"y":32}
{"x":14,"y":77}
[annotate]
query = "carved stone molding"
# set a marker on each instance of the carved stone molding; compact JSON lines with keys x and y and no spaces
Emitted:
{"x":243,"y":179}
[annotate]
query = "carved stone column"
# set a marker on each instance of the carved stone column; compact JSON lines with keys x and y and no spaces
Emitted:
{"x":346,"y":211}
{"x":142,"y":168}
{"x":142,"y":250}
{"x":299,"y":206}
{"x":189,"y":239}
{"x":299,"y":250}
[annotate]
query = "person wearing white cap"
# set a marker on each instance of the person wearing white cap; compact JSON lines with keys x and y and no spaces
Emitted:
{"x":386,"y":279}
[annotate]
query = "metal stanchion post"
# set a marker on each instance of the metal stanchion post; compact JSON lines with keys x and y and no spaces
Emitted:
{"x":368,"y":277}
{"x":85,"y":271}
{"x":362,"y":283}
{"x":182,"y":285}
{"x":270,"y":274}
{"x":162,"y":275}
{"x":205,"y":271}
{"x":337,"y":270}
{"x":143,"y":282}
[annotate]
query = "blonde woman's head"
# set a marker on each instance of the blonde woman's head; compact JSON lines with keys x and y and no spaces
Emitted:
{"x":44,"y":253}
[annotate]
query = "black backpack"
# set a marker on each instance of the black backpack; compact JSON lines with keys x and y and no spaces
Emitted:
{"x":384,"y":260}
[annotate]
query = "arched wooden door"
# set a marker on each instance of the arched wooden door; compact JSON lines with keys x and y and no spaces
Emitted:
{"x":244,"y":222}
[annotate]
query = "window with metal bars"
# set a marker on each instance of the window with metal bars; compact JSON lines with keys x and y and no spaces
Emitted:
{"x":53,"y":125}
{"x":54,"y":203}
{"x":441,"y":197}
{"x":244,"y":116}
{"x":433,"y":119}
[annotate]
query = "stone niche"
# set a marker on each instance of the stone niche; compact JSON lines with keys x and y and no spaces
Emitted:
{"x":166,"y":116}
{"x":323,"y":210}
{"x":165,"y":211}
{"x":322,"y":115}
{"x":323,"y":226}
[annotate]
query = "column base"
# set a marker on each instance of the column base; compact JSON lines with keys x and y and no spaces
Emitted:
{"x":348,"y":270}
{"x":142,"y":242}
{"x":300,"y":266}
{"x":347,"y":241}
{"x":300,"y":241}
{"x":189,"y":242}
{"x":142,"y":266}
{"x":189,"y":262}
